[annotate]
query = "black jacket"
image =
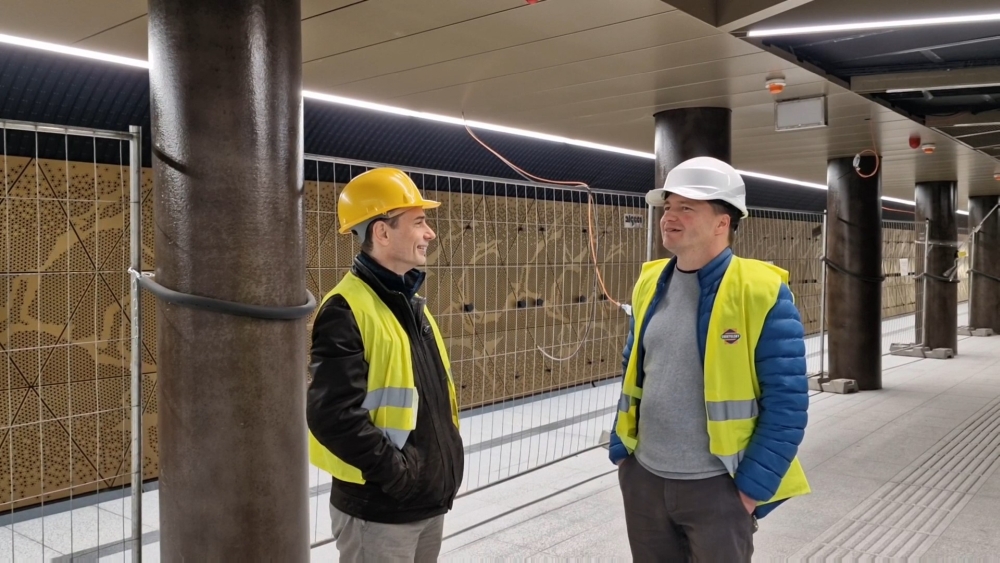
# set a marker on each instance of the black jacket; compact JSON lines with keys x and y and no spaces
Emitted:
{"x":421,"y":480}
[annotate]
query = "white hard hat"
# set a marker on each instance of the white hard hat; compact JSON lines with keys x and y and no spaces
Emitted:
{"x":703,"y":178}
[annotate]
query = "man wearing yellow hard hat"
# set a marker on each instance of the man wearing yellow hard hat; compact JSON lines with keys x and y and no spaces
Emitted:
{"x":382,"y":409}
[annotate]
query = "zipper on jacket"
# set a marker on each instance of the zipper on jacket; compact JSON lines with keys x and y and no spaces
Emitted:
{"x":428,"y":368}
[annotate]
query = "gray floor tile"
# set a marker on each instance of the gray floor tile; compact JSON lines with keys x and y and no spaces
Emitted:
{"x":946,"y":549}
{"x":610,"y":544}
{"x":836,"y":493}
{"x":551,"y":528}
{"x":17,"y":548}
{"x":774,"y":547}
{"x":798,"y":519}
{"x":489,"y":549}
{"x":892,"y":447}
{"x":991,"y":488}
{"x":977,"y":523}
{"x":80,"y":530}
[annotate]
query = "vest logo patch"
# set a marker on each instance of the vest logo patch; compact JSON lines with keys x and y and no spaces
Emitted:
{"x":730,"y":336}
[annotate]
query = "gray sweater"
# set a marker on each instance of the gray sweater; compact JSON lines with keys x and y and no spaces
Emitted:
{"x":673,"y":426}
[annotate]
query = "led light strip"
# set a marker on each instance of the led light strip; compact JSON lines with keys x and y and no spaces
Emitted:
{"x":85,"y":53}
{"x":951,"y":20}
{"x":340,"y":100}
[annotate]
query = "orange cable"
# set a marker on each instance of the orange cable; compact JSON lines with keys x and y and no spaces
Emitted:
{"x":590,"y":206}
{"x":871,"y":129}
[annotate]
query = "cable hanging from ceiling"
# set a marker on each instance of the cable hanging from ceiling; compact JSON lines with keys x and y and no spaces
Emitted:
{"x":591,"y":235}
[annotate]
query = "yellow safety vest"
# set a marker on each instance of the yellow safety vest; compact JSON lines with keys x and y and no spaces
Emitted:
{"x":748,"y":291}
{"x":392,"y":397}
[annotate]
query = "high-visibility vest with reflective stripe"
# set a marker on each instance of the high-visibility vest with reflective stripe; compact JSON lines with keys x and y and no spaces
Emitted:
{"x":392,"y":397}
{"x":748,"y":291}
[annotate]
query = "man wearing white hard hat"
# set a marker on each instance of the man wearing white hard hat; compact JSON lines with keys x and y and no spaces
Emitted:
{"x":714,"y":399}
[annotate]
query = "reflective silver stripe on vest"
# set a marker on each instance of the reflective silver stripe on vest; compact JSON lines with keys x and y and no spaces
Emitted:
{"x":390,"y":397}
{"x":732,"y":461}
{"x":721,"y":411}
{"x":624,"y":402}
{"x":397,"y":437}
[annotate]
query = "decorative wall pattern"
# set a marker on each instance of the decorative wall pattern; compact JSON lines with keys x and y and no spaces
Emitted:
{"x":64,"y":376}
{"x":510,"y":281}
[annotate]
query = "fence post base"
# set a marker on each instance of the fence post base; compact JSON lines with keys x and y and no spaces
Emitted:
{"x":970,"y":331}
{"x":841,"y":386}
{"x":920,"y":351}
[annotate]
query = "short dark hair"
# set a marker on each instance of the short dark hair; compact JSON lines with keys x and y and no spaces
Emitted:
{"x":724,"y":208}
{"x":367,"y":245}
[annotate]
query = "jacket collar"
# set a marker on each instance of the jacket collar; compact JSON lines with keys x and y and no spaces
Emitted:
{"x":714,"y":270}
{"x":710,"y":273}
{"x":407,"y":284}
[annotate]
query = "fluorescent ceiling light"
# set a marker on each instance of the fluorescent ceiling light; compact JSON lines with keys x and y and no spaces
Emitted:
{"x":983,"y":124}
{"x":942,"y":87}
{"x":474,"y":124}
{"x":982,"y":18}
{"x":897,"y":200}
{"x":85,"y":53}
{"x":780,"y":179}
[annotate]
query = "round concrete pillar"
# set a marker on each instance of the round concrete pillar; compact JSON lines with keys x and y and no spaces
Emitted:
{"x":936,"y":203}
{"x":984,"y":305}
{"x":682,"y":134}
{"x":854,"y":273}
{"x":225,"y":89}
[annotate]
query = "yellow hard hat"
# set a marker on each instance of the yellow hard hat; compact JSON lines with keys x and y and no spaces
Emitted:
{"x":375,"y":193}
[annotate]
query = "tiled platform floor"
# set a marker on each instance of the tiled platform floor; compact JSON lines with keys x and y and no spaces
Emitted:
{"x":910,"y":471}
{"x":856,"y":448}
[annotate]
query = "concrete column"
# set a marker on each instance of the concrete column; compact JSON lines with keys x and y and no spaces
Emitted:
{"x":225,"y":89}
{"x":984,"y":307}
{"x":682,"y":134}
{"x":936,"y":201}
{"x":854,"y":273}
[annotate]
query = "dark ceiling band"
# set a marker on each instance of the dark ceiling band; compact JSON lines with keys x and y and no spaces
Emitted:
{"x":227,"y":307}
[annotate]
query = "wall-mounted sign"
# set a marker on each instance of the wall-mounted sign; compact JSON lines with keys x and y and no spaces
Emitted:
{"x":634,"y":220}
{"x":904,"y":267}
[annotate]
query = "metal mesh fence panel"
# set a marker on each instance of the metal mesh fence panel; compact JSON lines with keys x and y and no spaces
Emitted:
{"x":792,"y":241}
{"x":899,"y":304}
{"x":535,"y":346}
{"x":64,"y":375}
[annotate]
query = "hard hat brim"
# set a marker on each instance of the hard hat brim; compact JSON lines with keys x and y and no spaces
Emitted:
{"x":657,"y":197}
{"x":425,"y":204}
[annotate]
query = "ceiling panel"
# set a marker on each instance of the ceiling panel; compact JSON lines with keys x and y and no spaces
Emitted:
{"x":732,"y":93}
{"x":363,"y":24}
{"x":831,"y":12}
{"x":480,"y":96}
{"x":641,"y":45}
{"x":65,"y":21}
{"x":314,"y":8}
{"x":587,"y":69}
{"x":530,"y":23}
{"x":742,"y":74}
{"x":128,"y":39}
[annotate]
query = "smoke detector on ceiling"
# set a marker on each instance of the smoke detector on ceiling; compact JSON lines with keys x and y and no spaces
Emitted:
{"x":928,"y":148}
{"x":775,"y":84}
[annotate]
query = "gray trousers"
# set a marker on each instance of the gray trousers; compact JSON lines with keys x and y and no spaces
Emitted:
{"x":360,"y":541}
{"x":676,"y":520}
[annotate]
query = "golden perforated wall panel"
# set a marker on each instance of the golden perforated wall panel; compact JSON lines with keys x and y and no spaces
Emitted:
{"x":510,"y":281}
{"x":64,"y":375}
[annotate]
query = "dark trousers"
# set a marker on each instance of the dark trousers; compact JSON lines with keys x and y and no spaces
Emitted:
{"x":675,"y":520}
